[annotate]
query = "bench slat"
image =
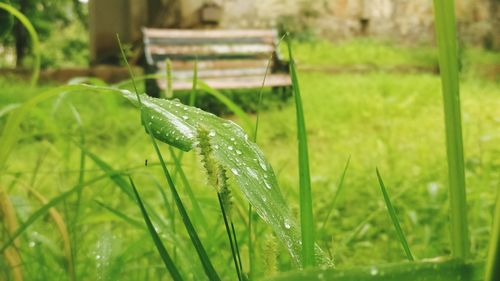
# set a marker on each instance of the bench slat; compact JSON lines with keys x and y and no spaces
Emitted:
{"x":229,"y":72}
{"x":207,"y":57}
{"x":213,"y":64}
{"x":239,"y":49}
{"x":208,"y":41}
{"x":200,"y":33}
{"x":246,"y":82}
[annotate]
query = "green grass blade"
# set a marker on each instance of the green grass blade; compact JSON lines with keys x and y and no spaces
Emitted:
{"x":247,"y":121}
{"x":493,"y":264}
{"x":177,"y":124}
{"x":394,"y":218}
{"x":306,"y":212}
{"x":45,"y":209}
{"x":198,"y":213}
{"x":230,"y":237}
{"x":340,"y":186}
{"x":167,"y":260}
{"x":444,"y":12}
{"x":121,"y":215}
{"x":193,"y":235}
{"x":35,"y":42}
{"x":169,"y":91}
{"x":407,"y":271}
{"x":192,"y":94}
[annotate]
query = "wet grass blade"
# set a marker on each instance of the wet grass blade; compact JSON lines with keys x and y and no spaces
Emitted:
{"x":394,"y":218}
{"x":167,"y":260}
{"x":493,"y":264}
{"x":444,"y":12}
{"x":193,"y":235}
{"x":306,"y":212}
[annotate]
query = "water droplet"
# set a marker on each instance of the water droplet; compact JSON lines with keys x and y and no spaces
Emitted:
{"x":211,"y":134}
{"x":216,"y":146}
{"x":98,"y":257}
{"x":235,"y":171}
{"x":262,"y":165}
{"x":232,"y":139}
{"x":238,"y":152}
{"x":32,"y":244}
{"x":287,"y":224}
{"x":185,"y":117}
{"x":185,"y":108}
{"x":374,"y":271}
{"x":230,"y":147}
{"x":268,"y":186}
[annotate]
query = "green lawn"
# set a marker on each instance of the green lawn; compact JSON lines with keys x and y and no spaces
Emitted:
{"x":390,"y":121}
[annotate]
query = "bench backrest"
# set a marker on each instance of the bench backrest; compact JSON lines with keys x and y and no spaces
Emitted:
{"x":219,"y":53}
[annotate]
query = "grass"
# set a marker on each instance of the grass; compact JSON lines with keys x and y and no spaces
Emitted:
{"x":305,"y":196}
{"x":392,"y":121}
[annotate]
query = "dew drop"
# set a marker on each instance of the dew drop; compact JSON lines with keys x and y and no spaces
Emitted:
{"x":232,"y":139}
{"x":238,"y":152}
{"x":268,"y":186}
{"x":287,"y":224}
{"x":216,"y":146}
{"x":374,"y":271}
{"x":185,"y":117}
{"x":262,"y":165}
{"x":211,"y":134}
{"x":98,"y":257}
{"x":32,"y":244}
{"x":230,"y":147}
{"x":235,"y":171}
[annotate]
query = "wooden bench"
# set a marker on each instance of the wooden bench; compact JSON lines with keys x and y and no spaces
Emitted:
{"x":226,"y":59}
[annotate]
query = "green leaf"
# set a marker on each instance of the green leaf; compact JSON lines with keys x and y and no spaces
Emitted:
{"x":408,"y":271}
{"x":167,"y":260}
{"x":177,"y":124}
{"x":394,"y":218}
{"x":444,"y":12}
{"x":306,"y":212}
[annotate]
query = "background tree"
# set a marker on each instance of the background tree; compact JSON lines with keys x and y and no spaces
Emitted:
{"x":43,"y":14}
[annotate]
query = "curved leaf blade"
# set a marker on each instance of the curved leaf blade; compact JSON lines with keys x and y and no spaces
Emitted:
{"x":177,"y":124}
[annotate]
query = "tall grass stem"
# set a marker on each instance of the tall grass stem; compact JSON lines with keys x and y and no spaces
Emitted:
{"x":444,"y":11}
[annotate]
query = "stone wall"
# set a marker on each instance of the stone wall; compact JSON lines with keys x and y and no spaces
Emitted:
{"x":407,"y":20}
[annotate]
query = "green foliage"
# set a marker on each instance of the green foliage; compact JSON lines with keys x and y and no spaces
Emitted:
{"x":177,"y":124}
{"x":35,"y":43}
{"x":394,"y":218}
{"x":6,"y":22}
{"x":444,"y":12}
{"x":306,"y":213}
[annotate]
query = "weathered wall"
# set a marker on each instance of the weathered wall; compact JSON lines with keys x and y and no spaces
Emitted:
{"x":410,"y":20}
